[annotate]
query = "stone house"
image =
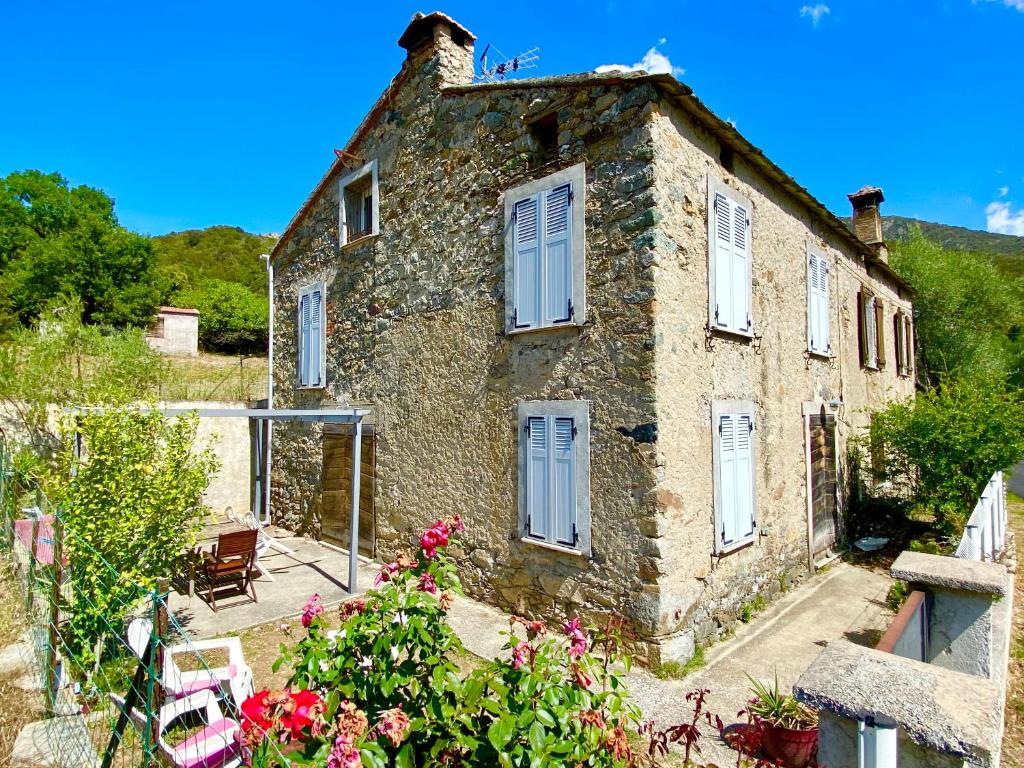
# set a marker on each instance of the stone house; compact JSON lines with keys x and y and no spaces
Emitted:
{"x":595,"y":321}
{"x":175,"y":331}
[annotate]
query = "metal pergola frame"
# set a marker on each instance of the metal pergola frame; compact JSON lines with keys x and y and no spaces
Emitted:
{"x":353,"y":416}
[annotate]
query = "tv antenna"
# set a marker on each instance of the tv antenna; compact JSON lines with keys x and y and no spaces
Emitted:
{"x":500,"y":67}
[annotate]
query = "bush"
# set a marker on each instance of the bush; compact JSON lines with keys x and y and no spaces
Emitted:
{"x":232,"y":318}
{"x":944,"y":446}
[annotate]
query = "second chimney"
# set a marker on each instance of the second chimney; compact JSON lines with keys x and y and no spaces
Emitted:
{"x":867,"y":218}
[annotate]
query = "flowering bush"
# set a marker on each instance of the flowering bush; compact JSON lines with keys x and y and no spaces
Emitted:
{"x":384,"y":688}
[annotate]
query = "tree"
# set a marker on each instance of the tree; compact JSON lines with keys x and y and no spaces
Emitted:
{"x":231,"y":317}
{"x":55,"y":239}
{"x":967,"y":313}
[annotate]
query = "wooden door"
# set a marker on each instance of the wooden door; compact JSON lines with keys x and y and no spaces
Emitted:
{"x":336,"y":487}
{"x":824,"y":508}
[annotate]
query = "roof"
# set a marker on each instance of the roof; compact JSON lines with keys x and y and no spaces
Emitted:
{"x":178,"y":311}
{"x":683,"y":96}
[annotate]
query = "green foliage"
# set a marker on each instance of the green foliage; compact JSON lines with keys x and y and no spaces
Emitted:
{"x":942,"y":447}
{"x":897,"y":595}
{"x":55,"y":239}
{"x":219,"y":253}
{"x":674,"y":670}
{"x":1008,"y":247}
{"x":231,"y":317}
{"x":752,"y":608}
{"x":770,"y":704}
{"x":132,"y":506}
{"x":63,"y":362}
{"x":967,"y":314}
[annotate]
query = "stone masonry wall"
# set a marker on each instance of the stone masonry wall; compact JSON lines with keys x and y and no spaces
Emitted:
{"x":415,"y":329}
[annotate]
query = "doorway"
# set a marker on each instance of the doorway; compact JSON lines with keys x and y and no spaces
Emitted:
{"x":336,"y":488}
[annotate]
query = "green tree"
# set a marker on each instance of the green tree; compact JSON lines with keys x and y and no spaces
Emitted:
{"x":56,"y":239}
{"x":967,"y":313}
{"x":231,"y":317}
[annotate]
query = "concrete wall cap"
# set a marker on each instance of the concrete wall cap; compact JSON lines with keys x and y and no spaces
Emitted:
{"x":950,"y":573}
{"x":939,"y":709}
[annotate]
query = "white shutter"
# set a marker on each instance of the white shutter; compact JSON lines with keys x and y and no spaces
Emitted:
{"x":527,"y":264}
{"x":740,"y":268}
{"x":727,"y":479}
{"x":563,"y":481}
{"x":812,"y":302}
{"x":823,"y":308}
{"x":744,"y":476}
{"x":304,"y":338}
{"x":723,"y":262}
{"x":557,"y":256}
{"x":736,"y":478}
{"x":316,"y":337}
{"x":537,"y":477}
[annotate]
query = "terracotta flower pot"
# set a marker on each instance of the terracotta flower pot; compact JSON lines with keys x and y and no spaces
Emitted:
{"x":795,"y":747}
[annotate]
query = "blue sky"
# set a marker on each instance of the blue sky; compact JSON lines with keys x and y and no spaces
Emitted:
{"x":191,"y":114}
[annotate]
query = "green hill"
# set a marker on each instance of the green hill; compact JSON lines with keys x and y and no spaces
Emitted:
{"x":222,"y":253}
{"x":955,"y":238}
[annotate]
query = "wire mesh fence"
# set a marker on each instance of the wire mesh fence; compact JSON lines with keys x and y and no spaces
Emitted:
{"x":120,"y":681}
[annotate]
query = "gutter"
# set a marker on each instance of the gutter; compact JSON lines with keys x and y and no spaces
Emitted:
{"x":270,"y":388}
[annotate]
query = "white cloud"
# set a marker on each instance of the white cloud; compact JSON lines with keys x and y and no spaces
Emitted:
{"x":1017,"y":5}
{"x":816,"y":12}
{"x":654,"y":62}
{"x":1004,"y":191}
{"x":1001,"y":218}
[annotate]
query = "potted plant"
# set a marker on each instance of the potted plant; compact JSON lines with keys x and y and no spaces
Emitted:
{"x":789,"y":729}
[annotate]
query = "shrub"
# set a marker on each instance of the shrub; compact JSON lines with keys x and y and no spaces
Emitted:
{"x":897,"y":595}
{"x":231,"y":317}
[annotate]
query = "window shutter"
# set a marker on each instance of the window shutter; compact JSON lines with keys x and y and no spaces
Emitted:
{"x":898,"y":345}
{"x":862,"y":325}
{"x":526,"y":302}
{"x":727,"y":462}
{"x":316,"y":337}
{"x":823,"y":311}
{"x":557,"y":257}
{"x":741,"y":265}
{"x":879,"y":333}
{"x":537,"y":477}
{"x":908,"y":339}
{"x":812,"y":302}
{"x":304,"y":338}
{"x":744,"y":475}
{"x":563,"y":480}
{"x":724,"y":293}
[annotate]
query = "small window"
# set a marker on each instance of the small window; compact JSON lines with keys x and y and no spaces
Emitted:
{"x":903,"y":344}
{"x":735,"y":497}
{"x":729,"y":259}
{"x":867,"y":319}
{"x":544,"y":252}
{"x":312,"y":324}
{"x":554,"y":474}
{"x":545,"y":133}
{"x":359,"y":202}
{"x":817,"y":304}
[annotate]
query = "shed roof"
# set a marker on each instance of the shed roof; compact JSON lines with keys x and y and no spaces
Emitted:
{"x":178,"y":311}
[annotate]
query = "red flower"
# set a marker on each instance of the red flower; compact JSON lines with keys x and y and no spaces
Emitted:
{"x":257,"y":713}
{"x":434,"y":538}
{"x":351,"y":607}
{"x":311,"y":610}
{"x":303,"y":711}
{"x":427,"y":584}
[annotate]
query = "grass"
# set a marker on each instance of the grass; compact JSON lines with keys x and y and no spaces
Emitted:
{"x":215,"y":377}
{"x":675,"y":670}
{"x":751,"y":609}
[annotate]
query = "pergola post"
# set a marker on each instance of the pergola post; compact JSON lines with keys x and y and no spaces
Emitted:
{"x":353,"y":549}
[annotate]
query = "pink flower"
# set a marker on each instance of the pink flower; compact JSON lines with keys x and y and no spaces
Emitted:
{"x":385,"y":573}
{"x":427,"y":584}
{"x":311,"y":610}
{"x":394,"y":724}
{"x":434,"y":538}
{"x":520,"y":654}
{"x":577,"y":638}
{"x":344,"y":753}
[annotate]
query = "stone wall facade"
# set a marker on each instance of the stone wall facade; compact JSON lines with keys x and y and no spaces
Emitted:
{"x":415,"y":329}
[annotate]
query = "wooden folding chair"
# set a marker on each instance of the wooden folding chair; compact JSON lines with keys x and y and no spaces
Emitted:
{"x":231,"y":562}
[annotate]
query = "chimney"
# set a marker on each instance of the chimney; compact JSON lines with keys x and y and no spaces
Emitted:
{"x":867,"y":218}
{"x":444,"y":43}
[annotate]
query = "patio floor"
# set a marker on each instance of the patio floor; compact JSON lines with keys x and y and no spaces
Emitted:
{"x":314,"y":568}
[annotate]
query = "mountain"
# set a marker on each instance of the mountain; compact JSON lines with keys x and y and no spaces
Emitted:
{"x":953,"y":238}
{"x":224,"y":253}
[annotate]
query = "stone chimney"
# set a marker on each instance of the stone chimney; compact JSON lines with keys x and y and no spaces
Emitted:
{"x":442,"y":43}
{"x":867,"y":218}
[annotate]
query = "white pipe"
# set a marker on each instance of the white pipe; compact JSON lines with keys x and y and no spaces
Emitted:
{"x":877,"y":743}
{"x":270,"y":388}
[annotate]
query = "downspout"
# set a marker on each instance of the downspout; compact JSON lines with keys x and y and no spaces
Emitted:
{"x":270,"y":388}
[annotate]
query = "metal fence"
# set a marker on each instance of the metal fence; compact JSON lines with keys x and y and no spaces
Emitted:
{"x":120,"y":681}
{"x":985,"y":532}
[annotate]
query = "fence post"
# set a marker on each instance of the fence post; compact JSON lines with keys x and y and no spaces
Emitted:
{"x":52,"y":674}
{"x":154,"y":672}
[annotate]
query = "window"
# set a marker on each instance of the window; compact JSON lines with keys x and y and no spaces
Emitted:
{"x":729,"y":230}
{"x":554,"y":474}
{"x":817,"y":304}
{"x":867,"y":330}
{"x":545,"y":133}
{"x":358,"y":192}
{"x":312,"y":324}
{"x":904,"y":344}
{"x":735,"y":499}
{"x":544,"y":252}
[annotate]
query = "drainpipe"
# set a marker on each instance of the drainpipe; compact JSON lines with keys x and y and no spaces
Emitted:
{"x":270,"y":388}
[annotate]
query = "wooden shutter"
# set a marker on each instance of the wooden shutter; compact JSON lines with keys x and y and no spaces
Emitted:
{"x":537,"y":478}
{"x":741,"y":268}
{"x":744,"y":475}
{"x":557,"y":255}
{"x":304,"y":338}
{"x":526,"y":299}
{"x":723,"y":262}
{"x":908,"y":339}
{"x":727,"y":478}
{"x":898,"y":345}
{"x":879,"y":333}
{"x":563,"y":480}
{"x":316,"y":337}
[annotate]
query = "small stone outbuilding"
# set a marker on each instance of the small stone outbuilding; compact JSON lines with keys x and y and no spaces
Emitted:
{"x":595,"y":321}
{"x":175,"y":331}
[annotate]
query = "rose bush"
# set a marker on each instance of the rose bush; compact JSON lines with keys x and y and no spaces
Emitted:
{"x":384,"y":688}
